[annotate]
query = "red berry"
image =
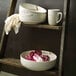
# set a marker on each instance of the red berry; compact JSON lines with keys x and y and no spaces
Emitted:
{"x":28,"y":57}
{"x":31,"y":54}
{"x":39,"y":52}
{"x":45,"y":57}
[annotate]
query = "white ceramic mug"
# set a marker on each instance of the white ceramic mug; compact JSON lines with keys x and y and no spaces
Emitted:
{"x":54,"y":16}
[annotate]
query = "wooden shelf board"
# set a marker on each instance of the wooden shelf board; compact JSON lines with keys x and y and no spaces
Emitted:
{"x":45,"y":26}
{"x":11,"y":61}
{"x":16,"y":63}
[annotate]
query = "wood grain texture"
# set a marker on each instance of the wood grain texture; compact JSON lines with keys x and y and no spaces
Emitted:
{"x":11,"y":61}
{"x":44,"y":26}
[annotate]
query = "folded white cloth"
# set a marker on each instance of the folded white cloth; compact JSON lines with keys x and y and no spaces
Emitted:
{"x":37,"y":58}
{"x":14,"y":22}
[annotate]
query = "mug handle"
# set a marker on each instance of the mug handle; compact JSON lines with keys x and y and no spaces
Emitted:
{"x":59,"y":17}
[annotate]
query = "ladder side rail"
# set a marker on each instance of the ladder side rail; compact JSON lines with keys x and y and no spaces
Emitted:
{"x":4,"y":37}
{"x":63,"y":34}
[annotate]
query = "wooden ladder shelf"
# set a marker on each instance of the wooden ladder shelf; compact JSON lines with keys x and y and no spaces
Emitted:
{"x":16,"y":62}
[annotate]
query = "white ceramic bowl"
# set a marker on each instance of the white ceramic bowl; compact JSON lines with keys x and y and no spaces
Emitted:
{"x":31,"y":14}
{"x":38,"y":66}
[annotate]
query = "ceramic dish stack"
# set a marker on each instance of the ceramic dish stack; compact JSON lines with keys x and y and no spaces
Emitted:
{"x":31,"y":14}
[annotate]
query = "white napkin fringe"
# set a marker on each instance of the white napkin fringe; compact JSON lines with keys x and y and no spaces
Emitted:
{"x":14,"y":22}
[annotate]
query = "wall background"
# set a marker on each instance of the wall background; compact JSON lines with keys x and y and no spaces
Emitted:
{"x":32,"y":38}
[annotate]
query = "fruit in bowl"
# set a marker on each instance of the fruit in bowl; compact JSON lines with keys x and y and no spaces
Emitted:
{"x":38,"y":60}
{"x":36,"y":55}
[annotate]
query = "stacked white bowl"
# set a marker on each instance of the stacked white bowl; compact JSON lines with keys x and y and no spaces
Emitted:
{"x":31,"y":13}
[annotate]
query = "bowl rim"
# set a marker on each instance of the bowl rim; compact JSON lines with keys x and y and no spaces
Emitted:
{"x":39,"y":62}
{"x":22,"y":5}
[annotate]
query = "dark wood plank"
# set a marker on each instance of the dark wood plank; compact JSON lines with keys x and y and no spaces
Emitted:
{"x":44,"y":26}
{"x":12,"y":62}
{"x":12,"y":6}
{"x":63,"y":34}
{"x":16,"y":63}
{"x":4,"y":37}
